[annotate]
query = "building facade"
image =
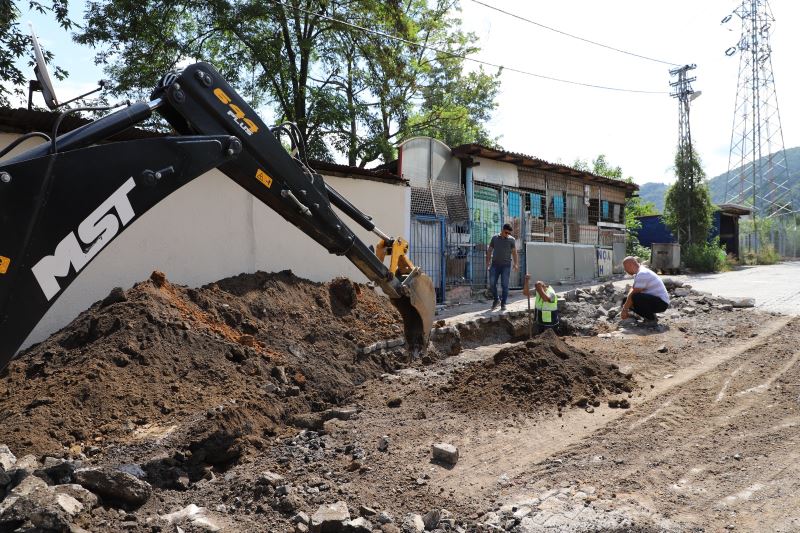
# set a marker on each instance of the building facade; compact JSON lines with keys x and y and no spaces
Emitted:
{"x":462,"y":196}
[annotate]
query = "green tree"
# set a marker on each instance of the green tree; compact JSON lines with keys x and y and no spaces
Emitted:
{"x":15,"y":43}
{"x":358,"y":92}
{"x":688,"y":210}
{"x":636,"y":207}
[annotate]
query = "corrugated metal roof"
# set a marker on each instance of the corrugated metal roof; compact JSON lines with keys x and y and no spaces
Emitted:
{"x":24,"y":121}
{"x":524,"y":160}
{"x":735,"y":209}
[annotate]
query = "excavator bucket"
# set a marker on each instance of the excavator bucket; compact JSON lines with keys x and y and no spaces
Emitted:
{"x":417,"y":306}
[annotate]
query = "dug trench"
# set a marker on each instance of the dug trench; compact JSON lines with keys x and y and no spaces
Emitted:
{"x":262,"y":397}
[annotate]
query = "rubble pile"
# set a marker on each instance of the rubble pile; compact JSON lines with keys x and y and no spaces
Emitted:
{"x":593,"y":311}
{"x":57,"y":494}
{"x":588,"y":311}
{"x":574,"y":508}
{"x":540,"y":373}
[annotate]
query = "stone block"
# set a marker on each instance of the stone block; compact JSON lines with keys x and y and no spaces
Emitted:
{"x":330,"y":518}
{"x":446,"y":453}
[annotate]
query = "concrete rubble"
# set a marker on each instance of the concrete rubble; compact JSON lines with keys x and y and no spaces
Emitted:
{"x":576,"y":508}
{"x":583,"y":310}
{"x":444,"y":452}
{"x":49,"y":495}
{"x":194,"y":515}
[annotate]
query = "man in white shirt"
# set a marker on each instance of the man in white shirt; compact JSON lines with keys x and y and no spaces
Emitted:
{"x":648,"y":295}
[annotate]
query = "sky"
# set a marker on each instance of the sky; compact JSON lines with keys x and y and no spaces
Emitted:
{"x":561,"y":122}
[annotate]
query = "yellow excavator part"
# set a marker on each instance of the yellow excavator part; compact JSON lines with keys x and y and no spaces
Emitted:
{"x":417,"y":303}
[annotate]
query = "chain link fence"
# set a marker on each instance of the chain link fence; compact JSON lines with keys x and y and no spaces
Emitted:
{"x":776,"y":237}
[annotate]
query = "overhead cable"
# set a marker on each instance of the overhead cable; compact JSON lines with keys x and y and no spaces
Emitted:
{"x":574,"y":36}
{"x":462,"y":56}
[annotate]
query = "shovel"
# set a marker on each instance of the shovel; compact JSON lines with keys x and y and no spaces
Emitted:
{"x":526,"y":290}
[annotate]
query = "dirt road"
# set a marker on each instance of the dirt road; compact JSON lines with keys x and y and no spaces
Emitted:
{"x":709,"y":443}
{"x":714,"y":446}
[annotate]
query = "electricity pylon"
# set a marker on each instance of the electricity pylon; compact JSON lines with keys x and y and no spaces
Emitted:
{"x":685,"y":166}
{"x":757,"y":170}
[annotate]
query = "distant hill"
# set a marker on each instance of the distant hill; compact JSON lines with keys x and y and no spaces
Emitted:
{"x":654,"y":192}
{"x":717,"y":184}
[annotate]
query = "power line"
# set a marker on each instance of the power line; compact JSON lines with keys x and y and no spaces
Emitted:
{"x":574,"y":36}
{"x":463,"y":56}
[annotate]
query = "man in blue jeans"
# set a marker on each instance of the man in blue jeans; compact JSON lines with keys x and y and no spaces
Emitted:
{"x":501,"y":255}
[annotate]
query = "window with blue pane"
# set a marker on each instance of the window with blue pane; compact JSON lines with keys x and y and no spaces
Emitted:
{"x":558,"y":206}
{"x":536,"y":204}
{"x":514,"y":204}
{"x":604,"y":209}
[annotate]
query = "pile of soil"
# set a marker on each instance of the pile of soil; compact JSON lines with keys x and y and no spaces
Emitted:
{"x":536,"y":374}
{"x":222,"y":366}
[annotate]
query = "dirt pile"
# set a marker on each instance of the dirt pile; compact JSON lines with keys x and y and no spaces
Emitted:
{"x":534,"y":375}
{"x":220,"y":366}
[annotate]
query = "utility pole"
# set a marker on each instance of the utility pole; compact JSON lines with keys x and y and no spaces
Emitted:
{"x":757,"y":168}
{"x":685,"y":169}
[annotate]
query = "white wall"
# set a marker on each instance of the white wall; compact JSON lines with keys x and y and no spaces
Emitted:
{"x":285,"y":246}
{"x":211,"y":229}
{"x":8,"y":138}
{"x":491,"y":171}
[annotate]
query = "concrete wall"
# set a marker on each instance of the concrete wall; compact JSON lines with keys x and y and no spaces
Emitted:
{"x":549,"y":261}
{"x":554,"y":262}
{"x":8,"y":138}
{"x":211,"y":229}
{"x":491,"y":171}
{"x":586,"y":261}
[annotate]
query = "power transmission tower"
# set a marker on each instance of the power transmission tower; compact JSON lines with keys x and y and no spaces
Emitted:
{"x":757,"y":170}
{"x":685,"y":164}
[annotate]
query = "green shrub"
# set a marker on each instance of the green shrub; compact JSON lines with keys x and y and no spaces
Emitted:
{"x":766,"y":256}
{"x":642,"y":252}
{"x":704,"y":257}
{"x":731,"y":262}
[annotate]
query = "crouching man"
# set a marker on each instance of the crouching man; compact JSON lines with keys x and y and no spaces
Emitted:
{"x":546,"y":304}
{"x":648,"y":295}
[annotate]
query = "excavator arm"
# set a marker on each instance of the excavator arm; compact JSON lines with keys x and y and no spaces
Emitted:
{"x":63,"y":201}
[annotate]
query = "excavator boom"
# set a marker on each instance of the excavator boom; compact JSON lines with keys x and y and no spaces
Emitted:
{"x":63,"y":201}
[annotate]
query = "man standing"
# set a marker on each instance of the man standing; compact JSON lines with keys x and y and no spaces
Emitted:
{"x":648,"y":295}
{"x":501,"y":255}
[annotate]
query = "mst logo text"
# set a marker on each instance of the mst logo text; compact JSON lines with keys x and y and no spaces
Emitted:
{"x":99,"y":228}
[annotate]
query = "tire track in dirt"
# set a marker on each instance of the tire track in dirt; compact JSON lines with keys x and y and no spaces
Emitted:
{"x":701,"y":456}
{"x":496,"y":452}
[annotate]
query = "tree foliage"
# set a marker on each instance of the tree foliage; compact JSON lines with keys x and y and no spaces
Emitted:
{"x":349,"y":90}
{"x":15,"y":43}
{"x":688,"y":210}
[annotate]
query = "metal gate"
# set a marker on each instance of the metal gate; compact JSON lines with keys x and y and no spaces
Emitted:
{"x":427,"y":250}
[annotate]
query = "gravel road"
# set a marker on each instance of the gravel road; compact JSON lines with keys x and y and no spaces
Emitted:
{"x":776,"y":288}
